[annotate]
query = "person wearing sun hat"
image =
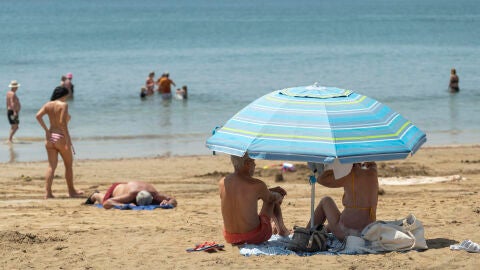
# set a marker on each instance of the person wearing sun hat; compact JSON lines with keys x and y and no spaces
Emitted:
{"x":13,"y":108}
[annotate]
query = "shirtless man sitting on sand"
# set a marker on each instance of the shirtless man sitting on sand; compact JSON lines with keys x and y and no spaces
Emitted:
{"x":239,"y":194}
{"x":134,"y":192}
{"x":359,"y":200}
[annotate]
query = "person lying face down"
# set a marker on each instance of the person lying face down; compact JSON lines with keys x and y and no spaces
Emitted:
{"x":239,"y":194}
{"x":133,"y":192}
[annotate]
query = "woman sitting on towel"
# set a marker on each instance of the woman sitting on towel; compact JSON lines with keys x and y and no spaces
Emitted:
{"x":360,"y":199}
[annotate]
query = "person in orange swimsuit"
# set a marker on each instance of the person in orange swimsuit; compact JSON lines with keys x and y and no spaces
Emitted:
{"x":359,"y":200}
{"x":239,"y":194}
{"x":164,"y":86}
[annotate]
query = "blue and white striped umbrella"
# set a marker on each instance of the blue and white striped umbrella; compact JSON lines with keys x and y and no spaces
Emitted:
{"x":318,"y":124}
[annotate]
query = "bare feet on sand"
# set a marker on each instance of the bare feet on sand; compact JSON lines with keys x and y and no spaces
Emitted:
{"x":76,"y":194}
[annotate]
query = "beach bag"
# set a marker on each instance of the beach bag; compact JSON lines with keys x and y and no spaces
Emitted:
{"x":308,"y":239}
{"x":398,"y":235}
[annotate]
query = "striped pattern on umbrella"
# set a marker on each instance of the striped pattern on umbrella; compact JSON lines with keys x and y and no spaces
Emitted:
{"x":318,"y":124}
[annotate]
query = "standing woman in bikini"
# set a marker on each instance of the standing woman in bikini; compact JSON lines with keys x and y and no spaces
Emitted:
{"x":58,"y":140}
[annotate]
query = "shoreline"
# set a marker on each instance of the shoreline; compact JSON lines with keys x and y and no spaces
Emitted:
{"x":38,"y":150}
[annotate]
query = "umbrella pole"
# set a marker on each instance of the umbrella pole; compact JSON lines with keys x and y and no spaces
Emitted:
{"x":313,"y":180}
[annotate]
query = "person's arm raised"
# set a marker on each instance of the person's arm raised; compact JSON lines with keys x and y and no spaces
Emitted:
{"x":327,"y":179}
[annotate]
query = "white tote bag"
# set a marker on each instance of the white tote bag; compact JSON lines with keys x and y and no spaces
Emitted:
{"x":398,"y":235}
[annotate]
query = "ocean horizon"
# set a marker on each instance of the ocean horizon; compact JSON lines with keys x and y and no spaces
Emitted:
{"x":229,"y":53}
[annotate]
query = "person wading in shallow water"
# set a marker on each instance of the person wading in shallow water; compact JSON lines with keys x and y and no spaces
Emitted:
{"x":454,"y":80}
{"x":13,"y":109}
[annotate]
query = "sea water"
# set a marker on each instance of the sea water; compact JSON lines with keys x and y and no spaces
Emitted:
{"x":228,"y":53}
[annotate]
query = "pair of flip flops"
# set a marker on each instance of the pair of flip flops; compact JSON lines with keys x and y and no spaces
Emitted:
{"x":207,"y":247}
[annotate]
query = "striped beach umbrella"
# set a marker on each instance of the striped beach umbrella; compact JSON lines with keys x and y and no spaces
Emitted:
{"x":318,"y":124}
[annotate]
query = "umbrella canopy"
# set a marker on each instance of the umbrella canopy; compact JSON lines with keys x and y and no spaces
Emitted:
{"x":318,"y":124}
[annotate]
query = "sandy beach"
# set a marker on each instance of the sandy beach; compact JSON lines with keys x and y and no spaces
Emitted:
{"x":439,"y":185}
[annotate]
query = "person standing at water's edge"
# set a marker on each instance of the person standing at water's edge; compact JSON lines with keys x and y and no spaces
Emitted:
{"x":13,"y":108}
{"x":58,"y":140}
{"x":454,"y":80}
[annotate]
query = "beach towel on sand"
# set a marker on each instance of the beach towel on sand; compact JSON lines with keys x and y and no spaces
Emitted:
{"x":277,"y":245}
{"x":377,"y":237}
{"x":143,"y":207}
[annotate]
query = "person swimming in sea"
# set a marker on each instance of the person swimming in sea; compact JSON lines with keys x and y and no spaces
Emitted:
{"x":143,"y":92}
{"x":182,"y":93}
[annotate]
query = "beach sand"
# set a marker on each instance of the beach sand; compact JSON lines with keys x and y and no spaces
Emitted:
{"x":62,"y":233}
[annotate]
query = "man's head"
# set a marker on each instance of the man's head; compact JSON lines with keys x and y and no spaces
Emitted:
{"x":173,"y":202}
{"x":14,"y":85}
{"x":144,"y":198}
{"x":243,"y":163}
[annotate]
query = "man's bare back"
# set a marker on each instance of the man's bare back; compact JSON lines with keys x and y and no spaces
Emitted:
{"x":239,"y":194}
{"x":240,"y":197}
{"x":126,"y":193}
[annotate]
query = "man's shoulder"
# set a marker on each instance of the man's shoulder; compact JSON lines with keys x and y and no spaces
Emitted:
{"x":256,"y":183}
{"x":244,"y":180}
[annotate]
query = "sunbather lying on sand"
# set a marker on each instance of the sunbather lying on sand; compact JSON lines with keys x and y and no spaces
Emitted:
{"x":134,"y":192}
{"x":239,"y":193}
